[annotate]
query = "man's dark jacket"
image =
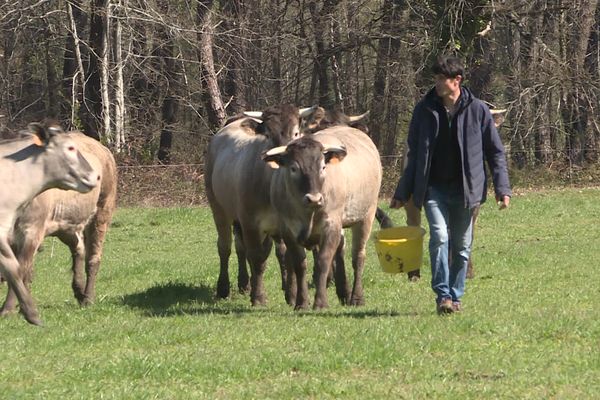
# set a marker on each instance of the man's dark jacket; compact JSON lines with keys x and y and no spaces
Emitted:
{"x":478,"y":139}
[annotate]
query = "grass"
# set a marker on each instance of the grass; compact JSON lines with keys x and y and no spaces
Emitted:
{"x":530,"y":329}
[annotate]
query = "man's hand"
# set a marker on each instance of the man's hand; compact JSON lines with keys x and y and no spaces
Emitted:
{"x":395,"y":203}
{"x":503,"y":202}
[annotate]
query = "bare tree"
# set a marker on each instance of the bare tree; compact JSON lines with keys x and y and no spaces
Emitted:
{"x":213,"y":103}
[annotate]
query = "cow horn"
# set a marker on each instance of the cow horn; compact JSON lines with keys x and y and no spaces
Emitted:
{"x":253,"y":114}
{"x":305,"y":112}
{"x":335,"y":149}
{"x":275,"y":150}
{"x":498,"y":111}
{"x":356,"y":118}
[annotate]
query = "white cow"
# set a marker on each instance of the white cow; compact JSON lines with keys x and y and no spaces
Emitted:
{"x":43,"y":160}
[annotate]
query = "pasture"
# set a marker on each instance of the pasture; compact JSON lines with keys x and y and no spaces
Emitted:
{"x":530,"y":328}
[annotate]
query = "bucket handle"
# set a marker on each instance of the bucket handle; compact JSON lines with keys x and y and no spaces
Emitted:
{"x":393,"y":240}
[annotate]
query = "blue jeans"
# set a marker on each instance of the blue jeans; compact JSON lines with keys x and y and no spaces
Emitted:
{"x":448,"y":218}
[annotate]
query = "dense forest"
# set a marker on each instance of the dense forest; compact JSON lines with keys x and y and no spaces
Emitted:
{"x":153,"y":79}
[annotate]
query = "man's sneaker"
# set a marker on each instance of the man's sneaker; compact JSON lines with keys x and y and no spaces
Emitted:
{"x":456,"y":306}
{"x":445,"y":306}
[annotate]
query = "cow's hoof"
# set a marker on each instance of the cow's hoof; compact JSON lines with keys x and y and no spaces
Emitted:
{"x":86,"y":301}
{"x":357,"y":301}
{"x":222,"y":292}
{"x":259,"y":301}
{"x":301,"y":306}
{"x":290,"y":300}
{"x":6,"y":312}
{"x":319,"y":305}
{"x":244,"y":289}
{"x":33,"y":319}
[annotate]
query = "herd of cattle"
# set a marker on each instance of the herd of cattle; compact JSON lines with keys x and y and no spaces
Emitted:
{"x":290,"y":176}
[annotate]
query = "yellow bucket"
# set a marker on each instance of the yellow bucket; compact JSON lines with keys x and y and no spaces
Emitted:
{"x":400,"y":249}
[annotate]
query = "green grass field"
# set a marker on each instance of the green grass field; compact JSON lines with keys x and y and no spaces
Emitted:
{"x":530,"y":328}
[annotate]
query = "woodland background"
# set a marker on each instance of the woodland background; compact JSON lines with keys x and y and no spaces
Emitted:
{"x":154,"y":79}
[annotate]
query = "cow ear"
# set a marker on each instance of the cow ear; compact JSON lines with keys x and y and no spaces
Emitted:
{"x":275,"y":157}
{"x":334,"y":155}
{"x":312,"y":121}
{"x":40,"y":135}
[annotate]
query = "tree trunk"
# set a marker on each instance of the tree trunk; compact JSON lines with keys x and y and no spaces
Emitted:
{"x":91,"y":110}
{"x":235,"y":24}
{"x":575,"y":110}
{"x":321,"y":18}
{"x":213,"y":103}
{"x":104,"y":73}
{"x":169,"y":106}
{"x":119,"y":83}
{"x":73,"y":68}
{"x":53,"y":108}
{"x":387,"y":53}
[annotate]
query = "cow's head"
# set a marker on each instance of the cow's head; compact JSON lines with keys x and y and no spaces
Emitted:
{"x":64,"y":165}
{"x":304,"y":165}
{"x":280,"y":123}
{"x":321,"y":119}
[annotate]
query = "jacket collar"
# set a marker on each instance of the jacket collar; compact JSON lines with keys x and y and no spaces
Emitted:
{"x":434,"y":102}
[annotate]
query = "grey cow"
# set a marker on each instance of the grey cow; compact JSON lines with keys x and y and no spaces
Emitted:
{"x":80,"y":220}
{"x":237,"y":186}
{"x":46,"y":159}
{"x":321,"y":184}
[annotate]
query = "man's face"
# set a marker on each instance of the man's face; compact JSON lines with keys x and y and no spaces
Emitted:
{"x":445,"y":86}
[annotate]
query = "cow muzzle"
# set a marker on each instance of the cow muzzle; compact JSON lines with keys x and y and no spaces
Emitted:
{"x":313,"y":200}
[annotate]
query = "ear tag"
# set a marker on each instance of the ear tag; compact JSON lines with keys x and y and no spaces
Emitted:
{"x":334,"y":160}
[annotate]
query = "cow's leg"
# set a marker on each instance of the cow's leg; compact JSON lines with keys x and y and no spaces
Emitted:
{"x":470,"y":268}
{"x":288,"y":276}
{"x":280,"y":250}
{"x":24,"y":252}
{"x":240,"y":251}
{"x":295,"y":259}
{"x":327,"y":249}
{"x":76,"y":244}
{"x":330,"y":274}
{"x":94,"y":236}
{"x":9,"y":268}
{"x":224,"y":236}
{"x":291,"y":284}
{"x":413,"y":218}
{"x":360,"y":236}
{"x":258,"y":248}
{"x":339,"y":269}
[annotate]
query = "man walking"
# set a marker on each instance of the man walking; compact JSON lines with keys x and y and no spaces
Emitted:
{"x":450,"y":135}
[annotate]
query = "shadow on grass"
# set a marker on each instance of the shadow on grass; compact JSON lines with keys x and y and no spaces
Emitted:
{"x":161,"y":297}
{"x":175,"y":299}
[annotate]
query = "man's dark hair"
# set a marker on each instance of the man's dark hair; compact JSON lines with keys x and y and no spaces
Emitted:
{"x":449,"y":66}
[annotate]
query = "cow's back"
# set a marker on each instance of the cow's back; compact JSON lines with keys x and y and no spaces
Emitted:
{"x":236,"y":178}
{"x":357,"y":179}
{"x":58,"y":210}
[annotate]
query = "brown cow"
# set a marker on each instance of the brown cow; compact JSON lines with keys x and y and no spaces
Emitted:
{"x":237,"y":186}
{"x":310,"y":123}
{"x":79,"y":220}
{"x":323,"y":183}
{"x":29,"y":167}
